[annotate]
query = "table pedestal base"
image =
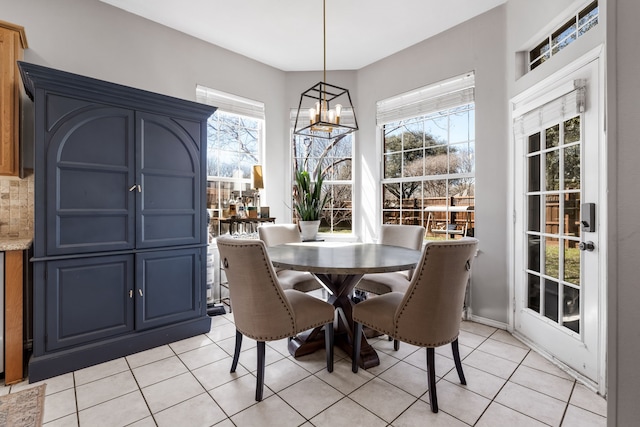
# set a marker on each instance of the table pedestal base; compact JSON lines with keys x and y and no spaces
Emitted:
{"x":340,"y":286}
{"x":311,"y":341}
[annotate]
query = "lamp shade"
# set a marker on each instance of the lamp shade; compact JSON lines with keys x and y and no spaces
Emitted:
{"x":257,"y":182}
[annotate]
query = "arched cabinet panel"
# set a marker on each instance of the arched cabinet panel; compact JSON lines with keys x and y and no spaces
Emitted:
{"x":89,"y":163}
{"x":168,"y":165}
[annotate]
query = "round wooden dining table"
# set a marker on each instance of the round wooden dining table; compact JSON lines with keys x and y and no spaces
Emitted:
{"x":339,"y":267}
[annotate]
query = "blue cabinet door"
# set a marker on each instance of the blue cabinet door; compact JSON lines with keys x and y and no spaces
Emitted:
{"x":169,"y":202}
{"x":88,"y":300}
{"x":169,"y":287}
{"x":89,"y":161}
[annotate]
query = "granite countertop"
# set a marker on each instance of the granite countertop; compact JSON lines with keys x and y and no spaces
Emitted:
{"x":14,"y":243}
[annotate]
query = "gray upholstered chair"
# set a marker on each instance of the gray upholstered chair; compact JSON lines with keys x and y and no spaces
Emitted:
{"x":279,"y":234}
{"x":407,"y":236}
{"x":429,"y":313}
{"x":262,"y":310}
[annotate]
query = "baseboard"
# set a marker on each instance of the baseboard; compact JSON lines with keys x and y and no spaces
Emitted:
{"x":487,"y":322}
{"x":72,"y":359}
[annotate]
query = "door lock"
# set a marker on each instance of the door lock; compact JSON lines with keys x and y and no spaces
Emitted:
{"x":586,"y":246}
{"x":588,"y":217}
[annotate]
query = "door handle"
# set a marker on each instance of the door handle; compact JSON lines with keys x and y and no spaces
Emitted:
{"x":586,"y":246}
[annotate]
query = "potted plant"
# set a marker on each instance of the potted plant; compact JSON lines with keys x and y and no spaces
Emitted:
{"x":308,"y":202}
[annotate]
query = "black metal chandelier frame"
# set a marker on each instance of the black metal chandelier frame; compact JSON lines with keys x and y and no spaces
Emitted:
{"x":324,"y":96}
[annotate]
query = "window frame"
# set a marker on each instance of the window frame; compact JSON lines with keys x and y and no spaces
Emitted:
{"x":426,"y":101}
{"x":550,"y":46}
{"x":327,"y":225}
{"x":221,"y":188}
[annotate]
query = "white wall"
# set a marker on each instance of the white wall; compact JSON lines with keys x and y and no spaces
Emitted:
{"x":623,"y":68}
{"x":92,"y":38}
{"x":477,"y":45}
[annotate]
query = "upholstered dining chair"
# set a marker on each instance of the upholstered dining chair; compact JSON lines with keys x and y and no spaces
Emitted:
{"x":279,"y":234}
{"x":429,"y":313}
{"x":407,"y":236}
{"x":262,"y":310}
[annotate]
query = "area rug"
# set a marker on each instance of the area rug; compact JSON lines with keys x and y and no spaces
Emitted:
{"x":23,"y":409}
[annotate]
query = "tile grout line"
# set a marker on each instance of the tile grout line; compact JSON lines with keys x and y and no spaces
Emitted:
{"x":153,"y":418}
{"x":566,"y":407}
{"x":309,"y":374}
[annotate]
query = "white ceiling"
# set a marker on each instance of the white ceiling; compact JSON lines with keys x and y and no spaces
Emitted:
{"x":287,"y":34}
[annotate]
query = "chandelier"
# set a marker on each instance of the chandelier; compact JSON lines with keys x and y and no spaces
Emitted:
{"x":325,"y":110}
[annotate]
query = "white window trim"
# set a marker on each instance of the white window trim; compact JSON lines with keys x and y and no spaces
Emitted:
{"x":443,"y":95}
{"x":334,"y":236}
{"x":547,"y":33}
{"x":230,"y":103}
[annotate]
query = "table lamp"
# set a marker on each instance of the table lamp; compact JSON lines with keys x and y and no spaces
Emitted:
{"x":257,"y":183}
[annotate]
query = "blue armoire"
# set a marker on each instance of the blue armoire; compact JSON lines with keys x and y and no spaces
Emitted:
{"x":120,"y":222}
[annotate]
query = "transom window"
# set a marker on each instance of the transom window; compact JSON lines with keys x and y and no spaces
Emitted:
{"x":566,"y":34}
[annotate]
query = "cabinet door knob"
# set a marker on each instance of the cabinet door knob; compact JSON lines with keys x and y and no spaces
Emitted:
{"x":133,"y":187}
{"x":130,"y":293}
{"x":139,"y":188}
{"x":140,"y":292}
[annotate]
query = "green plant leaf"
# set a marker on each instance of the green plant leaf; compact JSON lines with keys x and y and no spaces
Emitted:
{"x":308,"y":198}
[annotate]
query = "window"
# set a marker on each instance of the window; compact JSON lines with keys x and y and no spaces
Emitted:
{"x":429,"y":158}
{"x":333,"y":158}
{"x":568,"y":32}
{"x":235,"y":137}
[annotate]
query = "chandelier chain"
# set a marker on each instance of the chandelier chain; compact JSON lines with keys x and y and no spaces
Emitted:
{"x":324,"y":39}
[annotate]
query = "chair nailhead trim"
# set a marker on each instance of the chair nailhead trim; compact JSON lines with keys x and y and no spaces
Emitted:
{"x":274,"y":287}
{"x":395,"y":333}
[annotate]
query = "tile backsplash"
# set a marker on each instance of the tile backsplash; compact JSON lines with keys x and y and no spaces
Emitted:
{"x":16,"y":206}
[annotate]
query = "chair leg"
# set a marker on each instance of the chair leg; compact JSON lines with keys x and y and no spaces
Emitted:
{"x":357,"y":338}
{"x":236,"y":352}
{"x":260,"y":376}
{"x":328,"y":343}
{"x":456,"y":358}
{"x":396,"y":345}
{"x":431,"y":368}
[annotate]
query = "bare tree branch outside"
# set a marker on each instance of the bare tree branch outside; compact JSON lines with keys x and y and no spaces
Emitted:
{"x":429,"y":165}
{"x":333,"y":159}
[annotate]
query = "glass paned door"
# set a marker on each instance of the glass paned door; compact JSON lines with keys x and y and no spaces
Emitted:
{"x":557,"y":261}
{"x":553,"y":224}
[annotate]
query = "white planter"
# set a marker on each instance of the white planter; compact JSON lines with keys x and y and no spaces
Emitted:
{"x":309,"y":229}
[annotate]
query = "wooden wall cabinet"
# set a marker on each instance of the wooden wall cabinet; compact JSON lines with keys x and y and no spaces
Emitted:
{"x":120,"y":240}
{"x":12,"y":43}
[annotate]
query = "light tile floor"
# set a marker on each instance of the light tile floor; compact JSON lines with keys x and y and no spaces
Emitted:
{"x":187,"y":383}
